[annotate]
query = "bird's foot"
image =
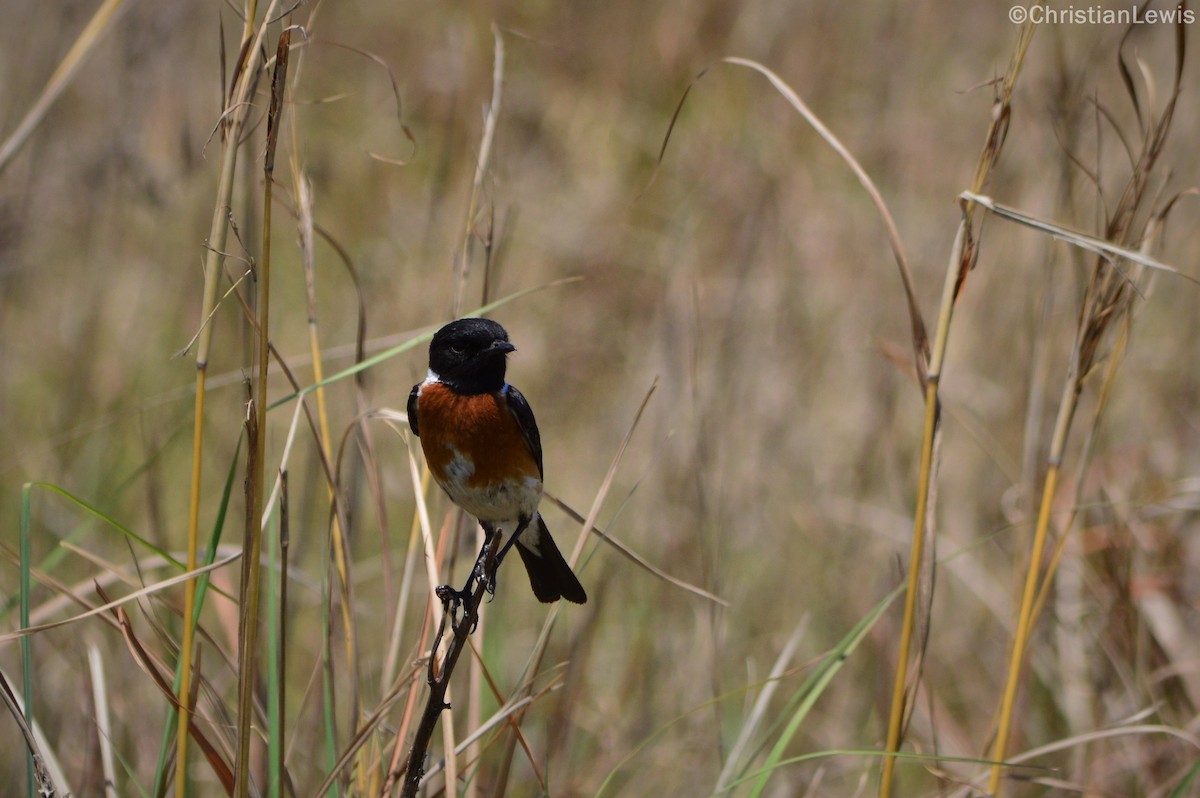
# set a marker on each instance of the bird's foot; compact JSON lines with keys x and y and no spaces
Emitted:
{"x":453,"y":601}
{"x":480,"y":575}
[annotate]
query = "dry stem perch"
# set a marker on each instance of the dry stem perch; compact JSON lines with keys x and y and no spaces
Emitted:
{"x":482,"y":576}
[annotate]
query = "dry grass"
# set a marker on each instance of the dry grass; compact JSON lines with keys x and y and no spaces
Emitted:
{"x":746,"y":275}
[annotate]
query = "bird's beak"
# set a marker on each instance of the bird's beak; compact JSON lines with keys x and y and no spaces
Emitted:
{"x":501,"y":348}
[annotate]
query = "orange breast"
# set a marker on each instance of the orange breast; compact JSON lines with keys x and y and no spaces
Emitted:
{"x":479,"y":429}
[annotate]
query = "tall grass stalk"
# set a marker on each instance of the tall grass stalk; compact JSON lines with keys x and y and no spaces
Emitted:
{"x":1107,"y":301}
{"x":338,"y":544}
{"x":307,"y":229}
{"x":922,"y":359}
{"x":962,"y":259}
{"x":161,"y":771}
{"x":233,"y":120}
{"x":256,"y":467}
{"x":277,"y":697}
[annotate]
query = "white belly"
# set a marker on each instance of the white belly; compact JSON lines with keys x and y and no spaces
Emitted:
{"x":504,"y":501}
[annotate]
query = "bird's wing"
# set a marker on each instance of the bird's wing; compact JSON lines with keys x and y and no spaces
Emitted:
{"x":412,"y":409}
{"x":520,"y":408}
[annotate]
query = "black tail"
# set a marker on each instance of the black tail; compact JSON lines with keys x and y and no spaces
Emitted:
{"x":549,"y":575}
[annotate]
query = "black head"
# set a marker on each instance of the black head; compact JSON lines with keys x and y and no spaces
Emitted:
{"x":469,"y":355}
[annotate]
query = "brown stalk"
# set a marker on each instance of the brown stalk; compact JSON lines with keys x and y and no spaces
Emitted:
{"x":285,"y":540}
{"x":440,"y":672}
{"x":257,"y":434}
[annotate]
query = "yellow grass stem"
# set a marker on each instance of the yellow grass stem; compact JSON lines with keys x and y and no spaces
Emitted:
{"x":338,"y":543}
{"x":212,"y":268}
{"x":896,"y":714}
{"x":960,"y":263}
{"x":1114,"y":360}
{"x":1037,"y":590}
{"x":921,"y":513}
{"x":235,"y":118}
{"x":1021,"y":638}
{"x":323,"y":423}
{"x":189,"y":590}
{"x":1025,"y":615}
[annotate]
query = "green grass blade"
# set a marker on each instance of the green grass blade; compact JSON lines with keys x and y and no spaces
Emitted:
{"x":167,"y":743}
{"x":658,"y":733}
{"x":112,"y":522}
{"x":933,"y":759}
{"x":130,"y":773}
{"x":814,"y":686}
{"x":1185,"y":787}
{"x":59,"y":553}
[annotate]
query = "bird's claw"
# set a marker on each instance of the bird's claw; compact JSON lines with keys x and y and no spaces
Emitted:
{"x":452,"y":600}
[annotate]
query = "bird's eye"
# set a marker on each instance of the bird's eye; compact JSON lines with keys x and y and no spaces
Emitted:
{"x":458,"y":349}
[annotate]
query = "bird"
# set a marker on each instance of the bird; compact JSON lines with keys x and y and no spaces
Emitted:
{"x":482,"y":446}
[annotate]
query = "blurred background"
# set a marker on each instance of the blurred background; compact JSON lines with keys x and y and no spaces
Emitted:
{"x":745,"y":276}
